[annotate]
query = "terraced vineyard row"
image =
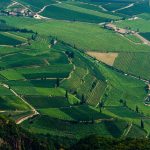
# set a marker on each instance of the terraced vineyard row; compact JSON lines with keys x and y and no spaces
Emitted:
{"x":133,"y":62}
{"x":96,"y":94}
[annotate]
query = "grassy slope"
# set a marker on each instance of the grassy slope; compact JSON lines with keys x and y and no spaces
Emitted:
{"x":36,"y":5}
{"x":135,"y":63}
{"x":119,"y":86}
{"x":97,"y":39}
{"x":126,"y":88}
{"x":141,"y":24}
{"x":71,"y":12}
{"x":8,"y":40}
{"x":45,"y":124}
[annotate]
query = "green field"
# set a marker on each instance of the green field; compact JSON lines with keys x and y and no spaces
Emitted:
{"x":74,"y":13}
{"x":61,"y":30}
{"x":45,"y":70}
{"x":4,"y":3}
{"x":133,"y":62}
{"x":141,"y":25}
{"x":8,"y":40}
{"x":146,"y":35}
{"x":36,"y":5}
{"x":46,"y":124}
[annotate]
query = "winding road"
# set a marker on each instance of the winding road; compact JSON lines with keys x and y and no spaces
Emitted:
{"x":35,"y":112}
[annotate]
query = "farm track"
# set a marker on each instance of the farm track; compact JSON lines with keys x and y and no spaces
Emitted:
{"x":147,"y":135}
{"x":145,"y":41}
{"x":17,"y":36}
{"x":11,"y":46}
{"x":7,"y":46}
{"x":131,"y":40}
{"x":128,"y":6}
{"x":35,"y":112}
{"x":43,"y":8}
{"x":23,"y":5}
{"x":126,"y":131}
{"x":100,"y":6}
{"x":87,"y":72}
{"x":70,"y":75}
{"x":12,"y":4}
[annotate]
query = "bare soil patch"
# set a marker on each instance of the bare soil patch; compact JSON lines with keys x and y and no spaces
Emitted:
{"x":107,"y":58}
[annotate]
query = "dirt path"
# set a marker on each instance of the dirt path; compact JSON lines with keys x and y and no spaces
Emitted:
{"x":147,"y":135}
{"x":20,"y":120}
{"x":23,"y":5}
{"x":43,"y":9}
{"x":145,"y":41}
{"x":7,"y":46}
{"x":17,"y":36}
{"x":12,"y":4}
{"x":32,"y":108}
{"x":130,"y":5}
{"x":74,"y":68}
{"x":70,"y":75}
{"x":46,"y":61}
{"x":100,"y":6}
{"x":127,"y":130}
{"x":11,"y":46}
{"x":87,"y":72}
{"x":131,"y":40}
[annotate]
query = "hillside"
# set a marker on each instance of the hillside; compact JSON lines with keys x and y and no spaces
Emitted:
{"x":74,"y":74}
{"x":14,"y":137}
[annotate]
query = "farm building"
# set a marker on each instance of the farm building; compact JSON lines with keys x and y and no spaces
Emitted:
{"x":113,"y":27}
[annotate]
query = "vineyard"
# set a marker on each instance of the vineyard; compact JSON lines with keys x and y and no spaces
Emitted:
{"x":72,"y":69}
{"x":133,"y":62}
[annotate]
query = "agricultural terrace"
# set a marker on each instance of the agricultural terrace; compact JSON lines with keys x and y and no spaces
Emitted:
{"x":132,"y":63}
{"x":76,"y":13}
{"x":36,"y":5}
{"x":42,"y":83}
{"x":49,"y":70}
{"x":10,"y":39}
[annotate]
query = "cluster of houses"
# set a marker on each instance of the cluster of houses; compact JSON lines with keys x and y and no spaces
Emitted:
{"x":17,"y":12}
{"x":113,"y":27}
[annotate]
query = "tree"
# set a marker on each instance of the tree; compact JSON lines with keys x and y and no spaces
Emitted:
{"x":101,"y":104}
{"x":142,"y":124}
{"x":124,"y":103}
{"x":121,"y":101}
{"x":137,"y":109}
{"x":66,"y":95}
{"x":82,"y":99}
{"x":57,"y":82}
